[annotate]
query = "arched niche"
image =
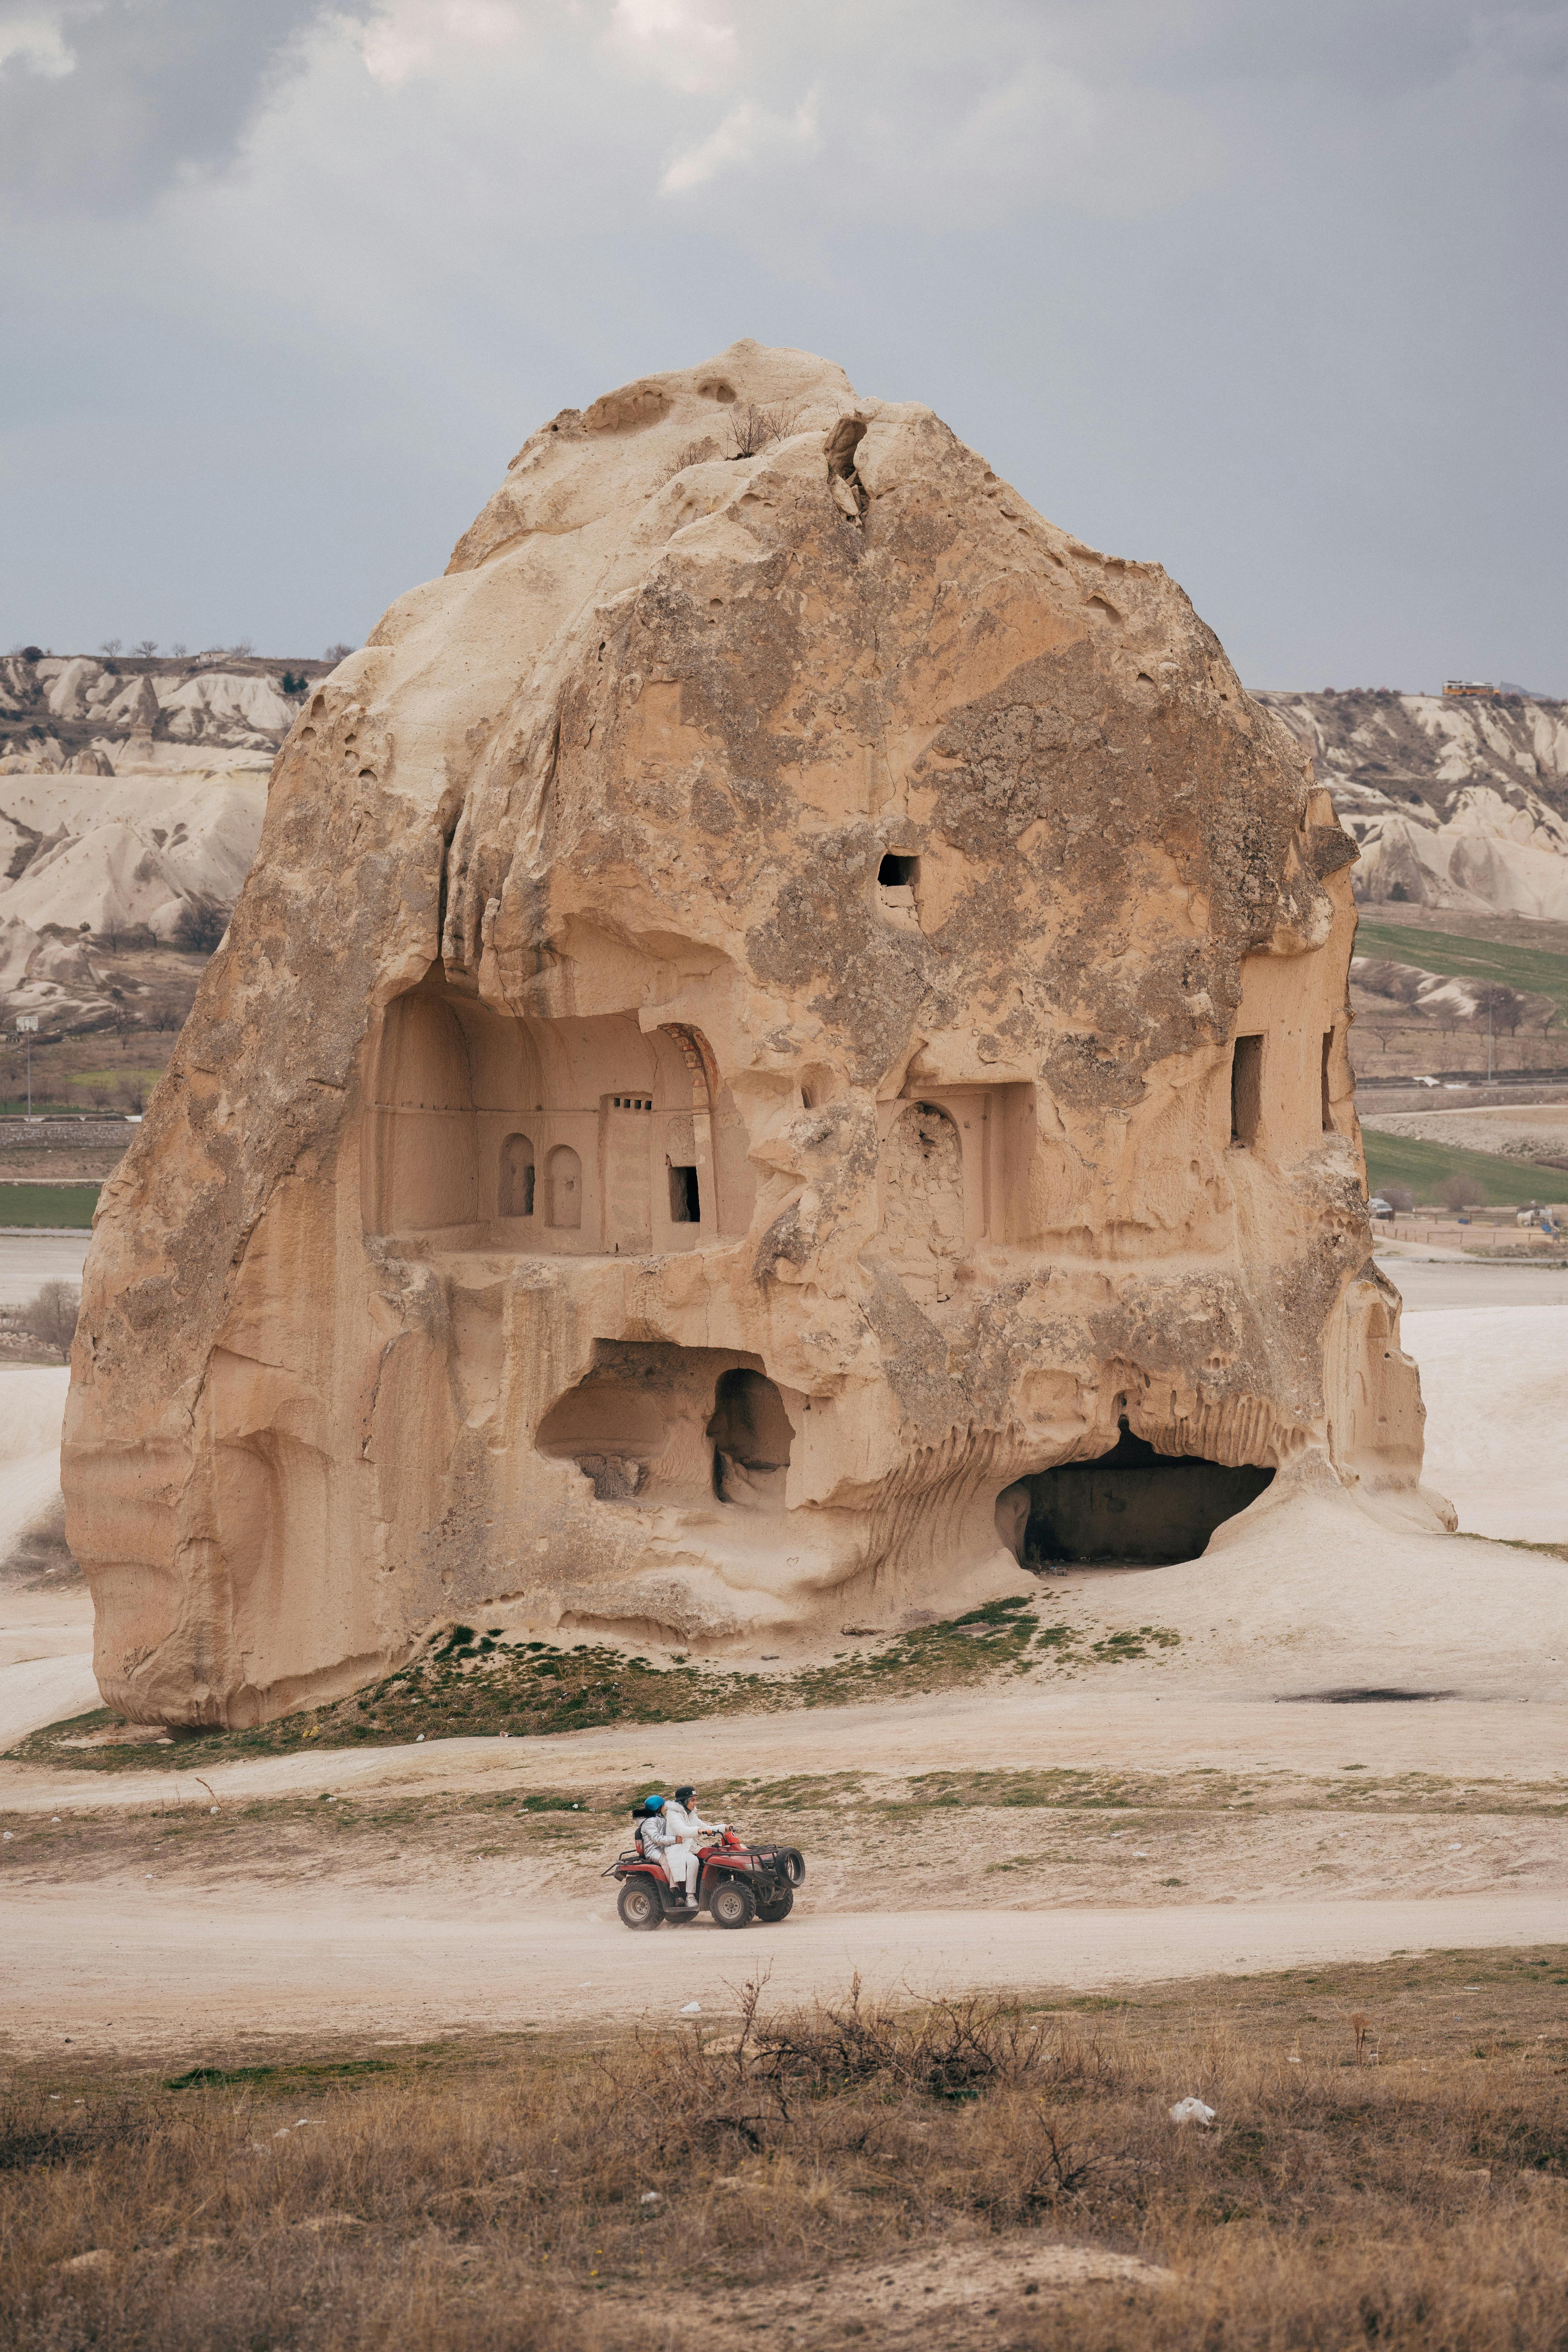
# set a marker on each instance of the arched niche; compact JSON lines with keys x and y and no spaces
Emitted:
{"x":518,"y":1177}
{"x":564,"y":1189}
{"x":923,"y":1198}
{"x":954,"y":1170}
{"x":471,"y":1114}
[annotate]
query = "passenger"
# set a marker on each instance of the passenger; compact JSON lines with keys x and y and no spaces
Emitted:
{"x":650,"y":1810}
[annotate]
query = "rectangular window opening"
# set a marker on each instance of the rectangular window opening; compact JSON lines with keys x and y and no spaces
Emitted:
{"x":685,"y":1206}
{"x":1327,"y":1104}
{"x":897,"y":872}
{"x":1247,"y":1091}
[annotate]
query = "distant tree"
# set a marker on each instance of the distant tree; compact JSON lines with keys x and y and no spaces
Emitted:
{"x":110,"y":645}
{"x":1506,"y":1005}
{"x":1398,"y":1196}
{"x":145,"y":648}
{"x":50,"y":1319}
{"x":338,"y":652}
{"x":293,"y":682}
{"x":32,"y":653}
{"x":178,"y":651}
{"x":1456,"y":1192}
{"x":200,"y":925}
{"x":242,"y":649}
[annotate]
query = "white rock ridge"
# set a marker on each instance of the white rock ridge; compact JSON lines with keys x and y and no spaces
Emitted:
{"x":1460,"y":804}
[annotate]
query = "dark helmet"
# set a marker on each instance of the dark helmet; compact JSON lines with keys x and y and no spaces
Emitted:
{"x":684,"y":1796}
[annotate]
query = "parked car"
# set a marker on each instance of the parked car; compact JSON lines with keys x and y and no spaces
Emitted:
{"x":1379,"y":1206}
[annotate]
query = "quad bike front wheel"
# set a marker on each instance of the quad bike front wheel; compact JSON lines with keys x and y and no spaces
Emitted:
{"x":638,"y":1904}
{"x":734,"y":1904}
{"x":771,"y":1908}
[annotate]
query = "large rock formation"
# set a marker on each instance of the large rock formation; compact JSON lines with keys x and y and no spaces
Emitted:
{"x":785,"y":1007}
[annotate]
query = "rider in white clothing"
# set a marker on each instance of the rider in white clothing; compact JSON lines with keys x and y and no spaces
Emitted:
{"x":682,"y":1825}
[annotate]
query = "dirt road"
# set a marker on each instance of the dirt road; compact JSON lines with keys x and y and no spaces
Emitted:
{"x":200,"y":1981}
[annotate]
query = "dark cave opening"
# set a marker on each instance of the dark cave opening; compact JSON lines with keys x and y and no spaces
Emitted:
{"x":1131,"y":1505}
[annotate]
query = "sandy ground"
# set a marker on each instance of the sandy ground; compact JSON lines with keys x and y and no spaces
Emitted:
{"x":1480,"y":1126}
{"x":1505,"y":1468}
{"x":1448,"y":1278}
{"x":29,"y":1260}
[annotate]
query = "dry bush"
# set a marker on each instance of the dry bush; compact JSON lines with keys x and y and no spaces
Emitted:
{"x":450,"y":2200}
{"x":755,"y":428}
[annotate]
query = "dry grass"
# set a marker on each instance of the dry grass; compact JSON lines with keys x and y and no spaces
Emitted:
{"x":532,"y":2195}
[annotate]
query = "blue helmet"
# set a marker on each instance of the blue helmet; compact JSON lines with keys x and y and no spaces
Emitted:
{"x":653,"y":1804}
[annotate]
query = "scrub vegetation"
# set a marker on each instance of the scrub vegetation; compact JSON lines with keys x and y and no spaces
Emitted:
{"x":1387,"y":2167}
{"x":480,"y":1684}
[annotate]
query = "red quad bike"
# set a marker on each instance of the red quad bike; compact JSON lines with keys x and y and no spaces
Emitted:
{"x":738,"y":1884}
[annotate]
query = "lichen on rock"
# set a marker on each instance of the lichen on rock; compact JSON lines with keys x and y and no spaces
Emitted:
{"x":783,"y":1005}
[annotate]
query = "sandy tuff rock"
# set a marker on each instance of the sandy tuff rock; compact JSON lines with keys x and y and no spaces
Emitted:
{"x":785,"y":1007}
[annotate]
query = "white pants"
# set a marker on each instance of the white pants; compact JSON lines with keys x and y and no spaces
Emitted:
{"x":682,"y":1865}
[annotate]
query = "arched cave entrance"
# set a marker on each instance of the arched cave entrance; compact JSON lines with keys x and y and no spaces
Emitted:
{"x":751,"y":1434}
{"x":1131,"y":1503}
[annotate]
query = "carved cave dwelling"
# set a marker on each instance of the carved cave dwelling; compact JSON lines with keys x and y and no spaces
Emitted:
{"x":782,"y":1057}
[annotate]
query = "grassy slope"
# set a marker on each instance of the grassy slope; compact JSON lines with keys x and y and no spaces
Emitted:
{"x":1499,"y":1183}
{"x":477,"y":1686}
{"x":528,"y":2194}
{"x":1536,"y":970}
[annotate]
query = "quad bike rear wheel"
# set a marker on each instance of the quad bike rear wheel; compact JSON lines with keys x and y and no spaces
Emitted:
{"x":638,"y":1904}
{"x":771,"y":1908}
{"x":732,"y":1904}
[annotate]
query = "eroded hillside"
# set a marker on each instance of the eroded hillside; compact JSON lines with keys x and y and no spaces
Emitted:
{"x":1460,"y":804}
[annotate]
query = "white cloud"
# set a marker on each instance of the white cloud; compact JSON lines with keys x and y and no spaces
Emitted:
{"x":747,"y":134}
{"x":691,"y":45}
{"x":35,"y":38}
{"x":418,"y":37}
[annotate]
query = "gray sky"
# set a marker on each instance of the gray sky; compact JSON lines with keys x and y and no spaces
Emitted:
{"x":1271,"y":293}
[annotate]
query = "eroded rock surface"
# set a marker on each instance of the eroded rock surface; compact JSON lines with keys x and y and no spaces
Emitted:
{"x":781,"y":1002}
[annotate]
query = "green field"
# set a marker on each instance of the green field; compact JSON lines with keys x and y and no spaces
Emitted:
{"x":48,"y":1204}
{"x":1498,"y":1184}
{"x":1538,"y":970}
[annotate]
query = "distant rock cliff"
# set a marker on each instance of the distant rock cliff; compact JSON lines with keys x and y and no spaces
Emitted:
{"x":1454,"y":803}
{"x":96,"y":716}
{"x":131,"y":795}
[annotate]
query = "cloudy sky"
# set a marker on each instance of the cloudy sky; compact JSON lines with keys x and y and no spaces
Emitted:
{"x":1270,"y":292}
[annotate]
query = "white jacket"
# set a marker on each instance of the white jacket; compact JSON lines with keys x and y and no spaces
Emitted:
{"x":684,"y":1826}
